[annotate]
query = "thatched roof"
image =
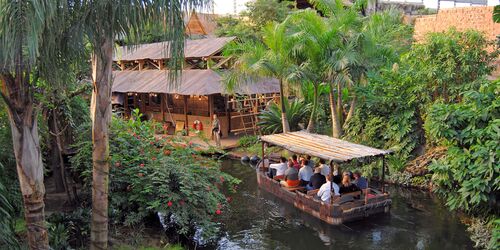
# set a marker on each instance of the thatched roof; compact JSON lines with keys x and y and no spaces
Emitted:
{"x":198,"y":48}
{"x":322,"y":146}
{"x":191,"y":82}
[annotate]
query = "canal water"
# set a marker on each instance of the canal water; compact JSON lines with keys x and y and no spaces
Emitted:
{"x":259,"y":220}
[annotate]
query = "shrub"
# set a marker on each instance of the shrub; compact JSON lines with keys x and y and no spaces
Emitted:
{"x":248,"y":140}
{"x":296,"y":112}
{"x":150,"y":174}
{"x":471,"y":130}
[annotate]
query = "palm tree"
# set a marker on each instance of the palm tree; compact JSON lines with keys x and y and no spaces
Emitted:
{"x":28,"y":44}
{"x":269,"y":58}
{"x":359,"y":44}
{"x":311,"y":37}
{"x":103,"y":21}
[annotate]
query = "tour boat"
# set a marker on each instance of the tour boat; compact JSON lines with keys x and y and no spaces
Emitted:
{"x":347,"y":207}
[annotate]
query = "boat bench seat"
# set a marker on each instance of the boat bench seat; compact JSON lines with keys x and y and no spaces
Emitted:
{"x":298,"y":188}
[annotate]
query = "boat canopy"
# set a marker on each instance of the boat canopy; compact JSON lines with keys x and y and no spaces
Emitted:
{"x":322,"y":146}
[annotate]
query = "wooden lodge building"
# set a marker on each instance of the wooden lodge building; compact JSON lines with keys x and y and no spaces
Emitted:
{"x":141,"y":81}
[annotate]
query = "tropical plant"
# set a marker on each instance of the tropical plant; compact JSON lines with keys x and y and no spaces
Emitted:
{"x":470,"y":130}
{"x":167,"y":175}
{"x":447,"y":63}
{"x":341,"y":49}
{"x":101,"y":22}
{"x":257,"y":60}
{"x":30,"y":38}
{"x":270,"y":119}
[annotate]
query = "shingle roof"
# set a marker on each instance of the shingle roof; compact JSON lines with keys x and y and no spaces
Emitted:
{"x":197,"y":48}
{"x":191,"y":82}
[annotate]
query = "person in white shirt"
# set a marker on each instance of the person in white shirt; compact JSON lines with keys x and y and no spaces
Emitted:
{"x":324,"y":192}
{"x":279,"y":167}
{"x":305,"y":173}
{"x":325,"y":169}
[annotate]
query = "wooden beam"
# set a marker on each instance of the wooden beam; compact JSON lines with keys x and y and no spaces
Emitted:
{"x":161,"y":64}
{"x":186,"y":126}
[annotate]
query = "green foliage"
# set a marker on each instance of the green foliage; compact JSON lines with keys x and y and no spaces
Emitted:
{"x":388,"y":118}
{"x":471,"y":130}
{"x":247,"y":140}
{"x":447,"y":63}
{"x":270,"y":119}
{"x":151,"y":174}
{"x":233,"y":26}
{"x":70,"y":229}
{"x":257,"y":15}
{"x":496,"y":14}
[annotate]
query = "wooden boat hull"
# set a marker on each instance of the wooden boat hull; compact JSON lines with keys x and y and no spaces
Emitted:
{"x":333,"y":214}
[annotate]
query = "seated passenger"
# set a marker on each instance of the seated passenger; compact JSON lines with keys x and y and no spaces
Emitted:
{"x":311,"y":162}
{"x":317,"y":179}
{"x":360,"y":181}
{"x":324,"y":192}
{"x":279,"y":169}
{"x":305,"y":173}
{"x":295,"y":162}
{"x":291,"y":178}
{"x":325,"y":169}
{"x":347,"y":186}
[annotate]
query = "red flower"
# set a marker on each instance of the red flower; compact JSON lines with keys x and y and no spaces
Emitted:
{"x":229,"y":199}
{"x":169,"y":203}
{"x":218,"y":211}
{"x":190,"y":143}
{"x":167,"y":152}
{"x":154,"y":158}
{"x":117,"y":164}
{"x":142,"y":165}
{"x":140,"y":174}
{"x":151,"y":143}
{"x":221,"y":179}
{"x":134,"y":134}
{"x":139,"y":137}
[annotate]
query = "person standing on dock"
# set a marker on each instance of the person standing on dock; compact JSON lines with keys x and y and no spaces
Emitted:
{"x":216,"y":130}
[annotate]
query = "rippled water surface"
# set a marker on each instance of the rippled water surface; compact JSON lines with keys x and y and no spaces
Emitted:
{"x":259,"y":220}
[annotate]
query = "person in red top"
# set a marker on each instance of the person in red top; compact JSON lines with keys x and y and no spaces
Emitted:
{"x":295,"y":162}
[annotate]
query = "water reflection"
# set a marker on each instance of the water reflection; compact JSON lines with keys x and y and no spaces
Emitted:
{"x":259,"y":220}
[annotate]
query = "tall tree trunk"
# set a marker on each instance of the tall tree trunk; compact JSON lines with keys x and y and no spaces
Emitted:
{"x":340,"y":108}
{"x":101,"y":117}
{"x":352,"y":108}
{"x":24,"y":127}
{"x":336,"y":128}
{"x":54,"y":153}
{"x":310,"y":125}
{"x":284,"y":119}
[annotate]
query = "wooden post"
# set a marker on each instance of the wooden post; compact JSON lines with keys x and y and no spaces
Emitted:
{"x":135,"y":101}
{"x":186,"y":125}
{"x":125,"y":105}
{"x":143,"y":104}
{"x":383,"y":174}
{"x":228,"y":113}
{"x":211,"y":109}
{"x":162,"y":107}
{"x":122,"y":65}
{"x":141,"y":64}
{"x":161,"y":65}
{"x":332,"y":192}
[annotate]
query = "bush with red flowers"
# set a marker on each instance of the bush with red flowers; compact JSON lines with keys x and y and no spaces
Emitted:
{"x":151,"y":174}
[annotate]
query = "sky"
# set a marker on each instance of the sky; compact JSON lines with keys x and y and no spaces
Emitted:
{"x":227,"y":6}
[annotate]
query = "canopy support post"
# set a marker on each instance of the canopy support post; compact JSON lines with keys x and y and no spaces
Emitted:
{"x":332,"y":192}
{"x":162,"y":107}
{"x":125,"y":106}
{"x":383,"y":174}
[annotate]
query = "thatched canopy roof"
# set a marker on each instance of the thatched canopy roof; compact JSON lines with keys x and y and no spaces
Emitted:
{"x":191,"y":82}
{"x":198,"y":48}
{"x":322,"y":146}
